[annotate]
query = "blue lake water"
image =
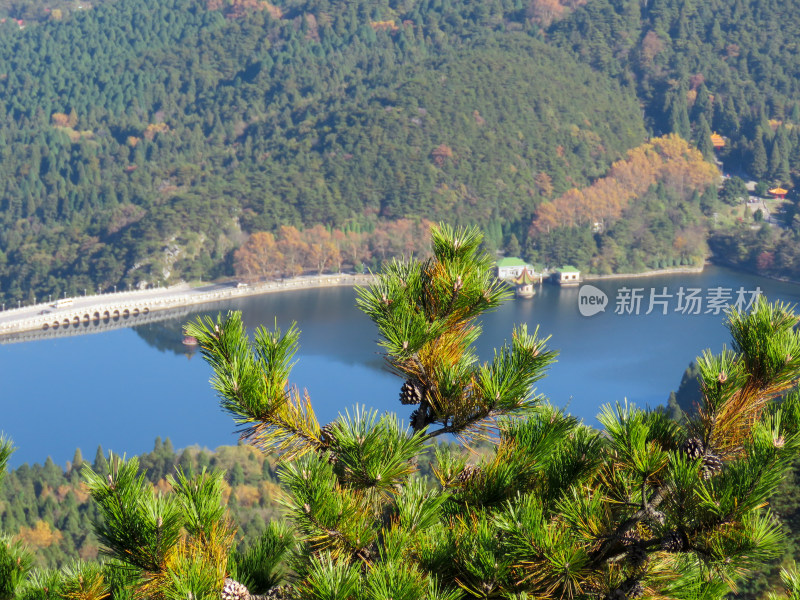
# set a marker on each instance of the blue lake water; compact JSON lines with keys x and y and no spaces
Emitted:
{"x":121,"y":389}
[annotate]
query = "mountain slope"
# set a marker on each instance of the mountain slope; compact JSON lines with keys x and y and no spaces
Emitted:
{"x":140,"y":140}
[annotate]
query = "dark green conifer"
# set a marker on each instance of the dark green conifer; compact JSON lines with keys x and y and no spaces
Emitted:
{"x":237,"y":475}
{"x":99,"y":464}
{"x":758,"y":164}
{"x":679,"y":114}
{"x":77,"y":459}
{"x":703,"y":138}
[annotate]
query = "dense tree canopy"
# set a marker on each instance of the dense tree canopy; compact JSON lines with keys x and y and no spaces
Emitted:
{"x":140,"y":141}
{"x":726,"y":65}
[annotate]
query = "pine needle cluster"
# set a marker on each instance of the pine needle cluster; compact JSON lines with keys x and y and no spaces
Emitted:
{"x":15,"y":561}
{"x":645,"y":508}
{"x":162,"y":546}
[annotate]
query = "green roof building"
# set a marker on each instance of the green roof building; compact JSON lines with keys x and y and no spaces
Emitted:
{"x":511,"y":267}
{"x":567,"y":275}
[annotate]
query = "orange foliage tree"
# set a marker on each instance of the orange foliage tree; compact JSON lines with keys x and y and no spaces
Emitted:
{"x":318,"y":249}
{"x":258,"y":257}
{"x":668,"y":159}
{"x":322,"y":248}
{"x":294,"y":250}
{"x":356,"y":247}
{"x":544,"y":12}
{"x":40,"y":535}
{"x":60,"y":119}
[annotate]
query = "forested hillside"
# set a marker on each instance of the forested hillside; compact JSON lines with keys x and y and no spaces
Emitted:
{"x":730,"y":66}
{"x":144,"y":142}
{"x":49,"y":508}
{"x":647,"y":212}
{"x":141,"y":142}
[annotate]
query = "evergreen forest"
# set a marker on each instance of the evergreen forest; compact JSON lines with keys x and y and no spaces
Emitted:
{"x":144,"y":143}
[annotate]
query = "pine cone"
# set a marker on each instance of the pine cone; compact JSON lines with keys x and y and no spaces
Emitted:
{"x":326,"y":434}
{"x":630,"y":540}
{"x":469,"y":474}
{"x":278,"y":593}
{"x":637,"y":591}
{"x":693,"y":448}
{"x":420,"y":418}
{"x":410,"y":393}
{"x":673,"y":541}
{"x":637,"y":555}
{"x":712,"y":465}
{"x":233,"y":590}
{"x":628,"y":590}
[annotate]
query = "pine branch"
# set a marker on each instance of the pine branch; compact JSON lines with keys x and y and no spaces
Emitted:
{"x":738,"y":385}
{"x":6,"y":450}
{"x":252,"y":383}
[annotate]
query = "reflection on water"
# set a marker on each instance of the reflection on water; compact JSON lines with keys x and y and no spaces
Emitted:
{"x":123,"y":388}
{"x":166,"y":336}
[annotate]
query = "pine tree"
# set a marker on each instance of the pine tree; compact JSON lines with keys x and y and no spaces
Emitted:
{"x":758,"y":166}
{"x":161,"y":546}
{"x":775,"y":160}
{"x":237,"y":475}
{"x":679,"y":114}
{"x":703,"y":106}
{"x":77,"y":459}
{"x":645,"y":508}
{"x":703,"y":137}
{"x":513,"y":248}
{"x":99,"y":463}
{"x":781,"y":142}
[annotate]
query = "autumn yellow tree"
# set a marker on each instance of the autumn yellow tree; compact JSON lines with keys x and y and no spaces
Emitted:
{"x":668,"y":159}
{"x":322,"y":251}
{"x":258,"y":257}
{"x":294,"y":249}
{"x":356,"y":248}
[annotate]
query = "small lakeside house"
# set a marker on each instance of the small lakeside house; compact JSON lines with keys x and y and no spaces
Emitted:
{"x":567,"y":275}
{"x":511,"y":267}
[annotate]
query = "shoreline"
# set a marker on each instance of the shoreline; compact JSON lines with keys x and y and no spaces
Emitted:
{"x":654,"y":273}
{"x":119,"y":307}
{"x":124,"y":307}
{"x":742,"y":269}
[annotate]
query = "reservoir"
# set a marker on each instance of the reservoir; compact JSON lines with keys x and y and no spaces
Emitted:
{"x":121,"y":389}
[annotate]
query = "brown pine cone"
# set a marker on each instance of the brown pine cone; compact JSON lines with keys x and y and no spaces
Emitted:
{"x":233,"y":590}
{"x":326,"y":434}
{"x":712,"y":465}
{"x":693,"y":448}
{"x":469,"y":474}
{"x":636,"y":591}
{"x":410,"y":393}
{"x":279,"y":593}
{"x":418,"y":419}
{"x":674,"y":541}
